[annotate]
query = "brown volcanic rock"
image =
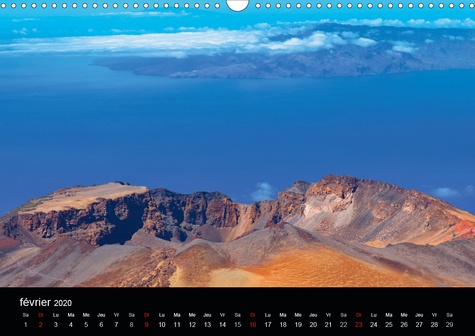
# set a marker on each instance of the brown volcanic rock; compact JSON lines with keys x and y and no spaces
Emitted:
{"x":292,"y":199}
{"x":379,"y":213}
{"x":179,"y":217}
{"x":96,"y":219}
{"x":289,"y":256}
{"x":66,"y":262}
{"x":367,"y":211}
{"x":286,"y":256}
{"x":313,"y":234}
{"x":341,"y":186}
{"x":199,"y":208}
{"x":8,"y":244}
{"x":207,"y":215}
{"x":145,"y":268}
{"x":106,"y":221}
{"x":450,"y":263}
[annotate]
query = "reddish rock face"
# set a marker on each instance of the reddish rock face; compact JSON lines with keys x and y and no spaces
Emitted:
{"x":180,"y":217}
{"x":105,"y":221}
{"x":341,"y":186}
{"x":313,"y":232}
{"x":337,"y":206}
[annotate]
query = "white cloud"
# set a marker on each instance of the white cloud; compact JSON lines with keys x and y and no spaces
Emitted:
{"x":445,"y":22}
{"x":418,"y":23}
{"x":183,"y":41}
{"x":22,"y":31}
{"x":364,"y":42}
{"x":374,"y":22}
{"x":454,"y":23}
{"x":350,"y":35}
{"x":292,"y":27}
{"x":445,"y":192}
{"x":316,"y":41}
{"x":188,"y":41}
{"x":355,"y":39}
{"x":414,"y":23}
{"x":405,"y":49}
{"x":264,"y":191}
{"x":403,"y":46}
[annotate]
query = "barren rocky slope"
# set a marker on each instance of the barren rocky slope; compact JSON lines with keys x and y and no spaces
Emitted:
{"x":339,"y":231}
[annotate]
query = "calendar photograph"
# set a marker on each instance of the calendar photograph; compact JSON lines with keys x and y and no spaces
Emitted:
{"x":237,"y":144}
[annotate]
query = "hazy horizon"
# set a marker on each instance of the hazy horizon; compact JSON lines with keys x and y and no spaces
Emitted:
{"x":67,"y":122}
{"x":245,"y":137}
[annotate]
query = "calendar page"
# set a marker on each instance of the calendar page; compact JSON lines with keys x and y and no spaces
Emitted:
{"x":237,"y":166}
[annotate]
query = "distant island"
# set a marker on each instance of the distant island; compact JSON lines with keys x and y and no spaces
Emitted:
{"x":342,"y":50}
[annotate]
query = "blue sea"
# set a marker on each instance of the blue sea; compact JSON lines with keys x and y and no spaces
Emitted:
{"x":66,"y":122}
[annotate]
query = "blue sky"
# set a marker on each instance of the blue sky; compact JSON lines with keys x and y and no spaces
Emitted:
{"x":29,"y":36}
{"x":57,"y":22}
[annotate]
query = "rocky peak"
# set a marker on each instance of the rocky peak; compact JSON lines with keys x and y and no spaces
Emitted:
{"x":354,"y":209}
{"x":340,"y":186}
{"x":299,"y":187}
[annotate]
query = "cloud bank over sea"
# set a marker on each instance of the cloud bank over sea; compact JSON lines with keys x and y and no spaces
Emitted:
{"x":183,"y":41}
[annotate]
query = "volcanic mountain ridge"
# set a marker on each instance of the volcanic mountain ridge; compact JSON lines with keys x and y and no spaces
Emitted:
{"x":364,"y":211}
{"x":339,"y":231}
